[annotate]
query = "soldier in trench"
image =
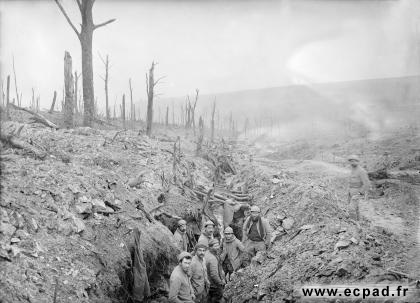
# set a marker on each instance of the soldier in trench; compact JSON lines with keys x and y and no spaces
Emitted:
{"x":180,"y":288}
{"x":215,"y":272}
{"x":256,"y":233}
{"x":199,"y":279}
{"x":359,"y":185}
{"x":180,"y":236}
{"x":207,"y":234}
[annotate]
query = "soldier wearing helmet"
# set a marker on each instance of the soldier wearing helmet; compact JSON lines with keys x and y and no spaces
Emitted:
{"x":180,"y":236}
{"x":359,"y":184}
{"x":207,"y":233}
{"x":256,"y":233}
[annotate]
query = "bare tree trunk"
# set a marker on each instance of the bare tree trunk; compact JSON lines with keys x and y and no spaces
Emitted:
{"x":7,"y":98}
{"x":200,"y":136}
{"x":167,"y":116}
{"x":14,"y":73}
{"x":37,"y":103}
{"x":193,"y":110}
{"x":212,"y":120}
{"x":20,"y":100}
{"x":76,"y":90}
{"x":173,"y":113}
{"x":33,"y":99}
{"x":106,"y":79}
{"x":134,"y":112}
{"x":123,"y":111}
{"x":69,"y":87}
{"x":150,"y":86}
{"x":85,"y":37}
{"x":3,"y":95}
{"x":53,"y":103}
{"x":131,"y":100}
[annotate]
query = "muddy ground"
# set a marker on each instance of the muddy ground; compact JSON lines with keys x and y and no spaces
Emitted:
{"x":67,"y":220}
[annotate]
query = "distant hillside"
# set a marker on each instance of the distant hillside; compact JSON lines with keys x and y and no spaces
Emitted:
{"x":376,"y":103}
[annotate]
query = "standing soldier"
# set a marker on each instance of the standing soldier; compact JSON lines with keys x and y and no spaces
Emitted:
{"x":207,"y":234}
{"x":256,"y":233}
{"x":359,"y":184}
{"x":232,"y":251}
{"x":215,"y":272}
{"x":180,"y":289}
{"x":199,"y":279}
{"x":180,"y":236}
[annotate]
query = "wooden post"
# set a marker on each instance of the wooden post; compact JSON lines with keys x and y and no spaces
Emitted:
{"x":53,"y":103}
{"x":212,"y":120}
{"x":7,"y":97}
{"x":69,"y":91}
{"x":14,"y":73}
{"x":123,"y":111}
{"x":200,"y":136}
{"x":131,"y":100}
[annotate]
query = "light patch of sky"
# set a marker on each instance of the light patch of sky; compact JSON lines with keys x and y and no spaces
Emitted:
{"x":216,"y":46}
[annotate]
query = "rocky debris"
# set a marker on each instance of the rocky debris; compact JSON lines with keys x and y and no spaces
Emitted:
{"x":99,"y":206}
{"x":83,"y":208}
{"x":342,"y":244}
{"x":288,"y":223}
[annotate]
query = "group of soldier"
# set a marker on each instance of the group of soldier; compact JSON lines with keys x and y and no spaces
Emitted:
{"x":200,"y":275}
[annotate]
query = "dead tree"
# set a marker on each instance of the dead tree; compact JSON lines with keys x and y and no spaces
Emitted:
{"x":53,"y":103}
{"x":192,"y":108}
{"x":200,"y":136}
{"x":76,"y":90}
{"x":131,"y":100}
{"x":85,"y":37}
{"x":150,"y":87}
{"x":33,"y":99}
{"x":3,"y":95}
{"x":212,"y":120}
{"x":69,"y":87}
{"x":167,"y":116}
{"x":14,"y":73}
{"x":173,"y":113}
{"x":123,"y":111}
{"x":7,"y":97}
{"x":106,"y":63}
{"x":246,"y":126}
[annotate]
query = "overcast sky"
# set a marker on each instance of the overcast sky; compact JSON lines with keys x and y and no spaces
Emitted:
{"x":216,"y":46}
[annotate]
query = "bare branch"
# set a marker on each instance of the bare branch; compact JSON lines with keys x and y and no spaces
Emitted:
{"x":156,"y":82}
{"x":103,"y":24}
{"x":102,"y":59}
{"x":67,"y":18}
{"x":79,"y":4}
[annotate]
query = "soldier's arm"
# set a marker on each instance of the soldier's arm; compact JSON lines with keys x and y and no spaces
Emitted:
{"x":174,"y":286}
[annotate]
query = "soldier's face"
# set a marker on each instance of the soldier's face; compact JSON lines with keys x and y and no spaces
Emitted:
{"x":183,"y":227}
{"x":209,"y":229}
{"x":255,"y":214}
{"x":229,"y":236}
{"x":185,"y":264}
{"x":200,"y":252}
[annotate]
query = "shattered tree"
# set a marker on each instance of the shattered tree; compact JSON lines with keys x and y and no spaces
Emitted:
{"x":86,"y":37}
{"x":106,"y":63}
{"x":150,"y":87}
{"x":68,"y":84}
{"x":53,"y":102}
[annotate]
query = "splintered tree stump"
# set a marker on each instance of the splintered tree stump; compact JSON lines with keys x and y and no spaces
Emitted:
{"x":53,"y":103}
{"x":69,"y":91}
